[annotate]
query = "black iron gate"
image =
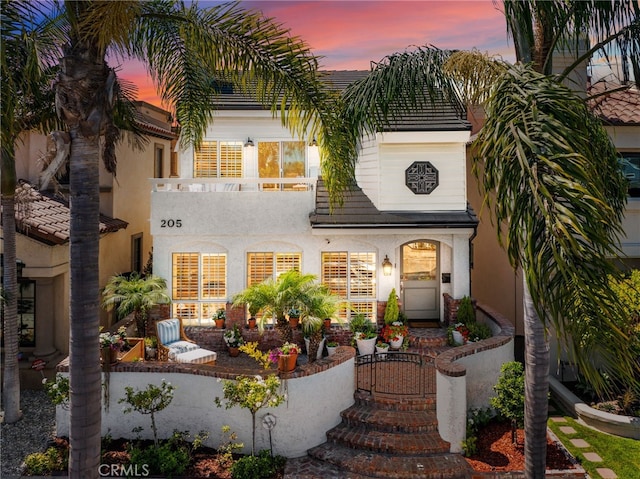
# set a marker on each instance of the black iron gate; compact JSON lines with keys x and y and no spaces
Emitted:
{"x":396,"y":373}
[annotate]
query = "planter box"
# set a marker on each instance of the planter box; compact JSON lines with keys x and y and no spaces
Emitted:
{"x":136,"y":351}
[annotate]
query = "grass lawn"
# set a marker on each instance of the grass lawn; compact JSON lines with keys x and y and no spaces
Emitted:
{"x":620,"y":454}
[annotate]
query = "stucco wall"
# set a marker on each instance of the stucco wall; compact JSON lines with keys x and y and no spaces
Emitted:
{"x":312,"y":407}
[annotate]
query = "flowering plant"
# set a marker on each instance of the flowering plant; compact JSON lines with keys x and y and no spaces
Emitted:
{"x":115,"y":340}
{"x":382,"y":344}
{"x":462,"y":329}
{"x":285,"y":349}
{"x":233,"y":337}
{"x":58,"y":390}
{"x":393,"y":331}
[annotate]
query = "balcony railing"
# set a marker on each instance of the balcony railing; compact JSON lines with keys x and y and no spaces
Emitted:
{"x":233,"y":184}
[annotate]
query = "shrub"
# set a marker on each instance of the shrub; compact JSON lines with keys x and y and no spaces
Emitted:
{"x":509,"y":399}
{"x":58,"y":390}
{"x":476,"y":419}
{"x":44,"y":463}
{"x":478,"y":331}
{"x":262,"y":466}
{"x":466,"y":312}
{"x":392,"y":310}
{"x":150,"y":401}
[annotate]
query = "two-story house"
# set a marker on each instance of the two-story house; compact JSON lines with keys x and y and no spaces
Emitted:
{"x":42,"y":222}
{"x":249,"y":204}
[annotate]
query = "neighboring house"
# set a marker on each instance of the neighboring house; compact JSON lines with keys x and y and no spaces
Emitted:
{"x":42,"y":222}
{"x":249,"y":205}
{"x":494,"y":282}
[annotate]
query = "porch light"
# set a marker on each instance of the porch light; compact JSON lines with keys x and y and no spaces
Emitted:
{"x":386,"y":266}
{"x":249,"y":142}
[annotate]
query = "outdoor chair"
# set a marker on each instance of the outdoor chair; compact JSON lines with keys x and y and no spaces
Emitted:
{"x":174,"y":345}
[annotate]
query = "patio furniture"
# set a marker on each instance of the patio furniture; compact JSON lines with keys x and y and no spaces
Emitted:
{"x":174,"y":345}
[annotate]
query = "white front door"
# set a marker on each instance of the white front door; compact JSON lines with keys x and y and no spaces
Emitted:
{"x":419,"y":281}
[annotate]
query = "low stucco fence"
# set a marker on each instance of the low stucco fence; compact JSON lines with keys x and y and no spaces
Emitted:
{"x":316,"y":394}
{"x":465,"y":375}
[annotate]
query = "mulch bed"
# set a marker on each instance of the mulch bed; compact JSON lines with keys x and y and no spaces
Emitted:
{"x":496,"y":451}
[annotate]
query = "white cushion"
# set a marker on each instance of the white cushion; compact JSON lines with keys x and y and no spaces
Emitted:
{"x":197,"y":356}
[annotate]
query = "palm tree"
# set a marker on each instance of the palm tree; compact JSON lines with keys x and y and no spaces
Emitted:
{"x":316,"y":304}
{"x":186,"y":50}
{"x":134,"y":294}
{"x":275,"y":297}
{"x":27,"y":103}
{"x":549,"y":170}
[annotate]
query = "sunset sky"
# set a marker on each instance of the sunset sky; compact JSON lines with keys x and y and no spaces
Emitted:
{"x":351,"y":34}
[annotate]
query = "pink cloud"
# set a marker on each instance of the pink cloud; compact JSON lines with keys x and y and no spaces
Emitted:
{"x":351,"y":34}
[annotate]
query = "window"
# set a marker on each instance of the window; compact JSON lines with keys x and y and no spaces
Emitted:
{"x":158,"y":161}
{"x":352,"y":276}
{"x":218,"y":159}
{"x":631,"y":169}
{"x":199,"y":286}
{"x":264,"y":265}
{"x":136,"y":253}
{"x":286,"y":159}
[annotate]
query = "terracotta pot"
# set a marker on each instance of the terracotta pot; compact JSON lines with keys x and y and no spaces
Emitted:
{"x":327,"y":324}
{"x":219,"y":323}
{"x":234,"y":352}
{"x":293,"y":322}
{"x":109,"y":356}
{"x":251,"y":323}
{"x":287,"y":362}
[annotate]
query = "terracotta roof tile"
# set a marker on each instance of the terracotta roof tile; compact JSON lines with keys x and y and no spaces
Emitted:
{"x":45,"y":218}
{"x":618,"y":108}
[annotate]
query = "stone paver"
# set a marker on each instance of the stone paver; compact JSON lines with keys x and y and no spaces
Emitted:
{"x":580,"y":443}
{"x":606,"y":473}
{"x":558,"y":419}
{"x":592,"y":457}
{"x":567,"y":429}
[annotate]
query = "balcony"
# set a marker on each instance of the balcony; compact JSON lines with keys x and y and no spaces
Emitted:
{"x":231,"y":206}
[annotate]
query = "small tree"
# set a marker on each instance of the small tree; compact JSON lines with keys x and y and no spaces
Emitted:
{"x":149,"y":401}
{"x":252,"y":393}
{"x":509,"y":399}
{"x":392,"y":311}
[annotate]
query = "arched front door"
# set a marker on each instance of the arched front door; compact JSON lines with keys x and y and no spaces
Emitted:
{"x":419,"y":283}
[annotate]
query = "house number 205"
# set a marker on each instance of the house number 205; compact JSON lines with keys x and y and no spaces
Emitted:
{"x":170,"y":223}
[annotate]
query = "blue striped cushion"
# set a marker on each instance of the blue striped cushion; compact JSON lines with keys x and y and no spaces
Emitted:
{"x":168,"y":331}
{"x":178,"y":347}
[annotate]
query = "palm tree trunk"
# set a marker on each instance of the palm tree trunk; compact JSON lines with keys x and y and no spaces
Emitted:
{"x":11,"y":372}
{"x":83,"y":99}
{"x":314,"y":345}
{"x":283,"y":327}
{"x":536,"y":402}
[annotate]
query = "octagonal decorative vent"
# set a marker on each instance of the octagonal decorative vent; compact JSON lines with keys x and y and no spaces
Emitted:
{"x":421,"y":177}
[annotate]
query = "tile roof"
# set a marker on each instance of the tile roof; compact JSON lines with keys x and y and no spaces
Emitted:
{"x":358,"y":211}
{"x":618,"y":108}
{"x":442,"y":116}
{"x":46,"y":219}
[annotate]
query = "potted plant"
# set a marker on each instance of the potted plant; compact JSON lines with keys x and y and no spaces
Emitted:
{"x":331,"y":347}
{"x":233,"y":339}
{"x":458,"y":334}
{"x":294,"y":317}
{"x":395,"y":333}
{"x":364,"y":333}
{"x":112,"y":343}
{"x":285,"y":356}
{"x":392,"y":310}
{"x":312,"y":329}
{"x":253,"y":311}
{"x":381,"y":349}
{"x":219,"y":318}
{"x":151,"y":346}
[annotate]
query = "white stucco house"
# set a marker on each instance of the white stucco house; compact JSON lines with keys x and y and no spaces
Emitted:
{"x":249,"y":204}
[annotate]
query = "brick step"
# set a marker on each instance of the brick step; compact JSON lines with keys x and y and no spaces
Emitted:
{"x":397,"y":403}
{"x":427,"y":343}
{"x":390,"y":420}
{"x":381,"y":465}
{"x":363,"y":437}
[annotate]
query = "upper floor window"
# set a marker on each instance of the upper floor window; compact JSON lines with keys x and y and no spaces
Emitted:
{"x":281,"y":159}
{"x":352,"y":276}
{"x":630,"y":162}
{"x":218,"y":159}
{"x":199,"y":286}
